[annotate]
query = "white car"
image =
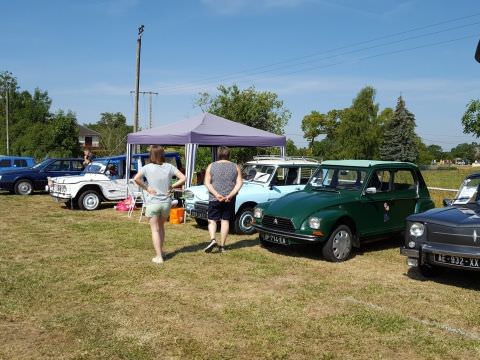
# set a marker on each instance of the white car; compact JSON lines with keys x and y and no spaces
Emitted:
{"x":266,"y":178}
{"x":102,"y":180}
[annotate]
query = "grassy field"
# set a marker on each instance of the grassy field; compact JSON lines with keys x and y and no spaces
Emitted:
{"x":80,"y":285}
{"x":448,"y":179}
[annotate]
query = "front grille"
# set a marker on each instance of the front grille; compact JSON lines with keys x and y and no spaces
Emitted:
{"x":278,"y":223}
{"x":201,"y":206}
{"x":444,"y":234}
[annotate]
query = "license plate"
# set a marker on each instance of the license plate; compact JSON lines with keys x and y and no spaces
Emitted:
{"x":277,"y":239}
{"x":198,"y":214}
{"x":458,"y":261}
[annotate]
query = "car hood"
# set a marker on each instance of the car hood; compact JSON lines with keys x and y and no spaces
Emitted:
{"x":467,"y":215}
{"x":201,"y":192}
{"x":75,"y":179}
{"x":301,"y":204}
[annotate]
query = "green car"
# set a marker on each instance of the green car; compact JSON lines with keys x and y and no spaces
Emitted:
{"x":345,"y":201}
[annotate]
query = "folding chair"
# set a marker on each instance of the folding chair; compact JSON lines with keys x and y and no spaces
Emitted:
{"x":138,"y":196}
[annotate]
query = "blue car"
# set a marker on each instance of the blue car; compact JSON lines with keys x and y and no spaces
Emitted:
{"x":25,"y":181}
{"x":15,"y":162}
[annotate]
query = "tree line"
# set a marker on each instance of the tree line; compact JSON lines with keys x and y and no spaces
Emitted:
{"x":360,"y":131}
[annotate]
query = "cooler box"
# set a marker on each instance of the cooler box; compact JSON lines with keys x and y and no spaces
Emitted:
{"x":177,"y":215}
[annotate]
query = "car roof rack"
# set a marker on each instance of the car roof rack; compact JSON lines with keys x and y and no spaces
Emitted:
{"x":278,"y":157}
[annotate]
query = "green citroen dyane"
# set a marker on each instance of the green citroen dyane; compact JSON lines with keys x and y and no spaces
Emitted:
{"x":344,"y":202}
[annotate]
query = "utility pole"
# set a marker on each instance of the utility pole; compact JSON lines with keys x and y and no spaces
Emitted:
{"x":149,"y":93}
{"x":6,"y":121}
{"x":137,"y":81}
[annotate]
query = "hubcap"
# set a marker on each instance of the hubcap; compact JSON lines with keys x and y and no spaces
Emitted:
{"x":246,"y":221}
{"x":25,"y":188}
{"x":341,"y":244}
{"x":90,"y":201}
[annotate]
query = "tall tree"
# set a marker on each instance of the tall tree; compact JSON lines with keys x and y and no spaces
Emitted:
{"x":259,"y":109}
{"x":311,"y":126}
{"x":113,"y":130}
{"x":399,"y":138}
{"x":471,"y":118}
{"x":358,"y":133}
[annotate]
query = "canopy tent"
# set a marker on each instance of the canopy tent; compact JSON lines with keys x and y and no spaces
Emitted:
{"x":204,"y":130}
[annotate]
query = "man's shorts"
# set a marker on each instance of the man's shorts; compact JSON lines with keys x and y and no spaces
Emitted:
{"x":221,"y":210}
{"x":160,"y":209}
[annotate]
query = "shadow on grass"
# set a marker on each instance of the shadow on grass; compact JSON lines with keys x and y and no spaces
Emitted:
{"x":395,"y":241}
{"x":448,"y":276}
{"x":199,"y":247}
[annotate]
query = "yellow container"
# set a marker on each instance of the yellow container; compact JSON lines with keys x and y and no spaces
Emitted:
{"x":177,"y":215}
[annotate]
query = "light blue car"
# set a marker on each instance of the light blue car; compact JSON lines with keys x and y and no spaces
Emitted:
{"x":264,"y":179}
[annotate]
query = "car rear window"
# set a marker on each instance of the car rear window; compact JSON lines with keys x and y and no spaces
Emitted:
{"x":20,"y":162}
{"x":404,"y":180}
{"x":5,"y":163}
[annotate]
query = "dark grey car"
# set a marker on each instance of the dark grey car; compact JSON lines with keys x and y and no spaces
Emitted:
{"x":449,"y":236}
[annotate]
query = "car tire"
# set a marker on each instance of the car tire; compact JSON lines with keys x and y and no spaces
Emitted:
{"x":243,"y":222}
{"x":201,"y":222}
{"x":23,"y":187}
{"x":89,"y":200}
{"x":429,"y":271}
{"x":339,"y":245}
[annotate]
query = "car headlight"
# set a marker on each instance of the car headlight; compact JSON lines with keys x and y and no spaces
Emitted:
{"x":314,"y":222}
{"x":0,"y":177}
{"x":417,"y":229}
{"x":257,"y":213}
{"x":188,"y":194}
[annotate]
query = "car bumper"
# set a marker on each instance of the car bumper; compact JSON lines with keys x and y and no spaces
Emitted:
{"x":285,"y":237}
{"x":454,"y":256}
{"x":60,"y":197}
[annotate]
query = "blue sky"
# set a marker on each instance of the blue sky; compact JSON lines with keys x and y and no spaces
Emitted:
{"x":315,"y":54}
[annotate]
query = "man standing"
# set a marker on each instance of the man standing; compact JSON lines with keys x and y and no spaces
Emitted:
{"x":223,"y":180}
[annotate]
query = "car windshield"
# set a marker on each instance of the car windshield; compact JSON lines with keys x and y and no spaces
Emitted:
{"x":337,"y":179}
{"x":257,"y":173}
{"x":96,"y":167}
{"x":42,"y":164}
{"x":468,"y":191}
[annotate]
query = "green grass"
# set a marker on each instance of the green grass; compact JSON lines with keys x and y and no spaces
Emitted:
{"x":80,"y":285}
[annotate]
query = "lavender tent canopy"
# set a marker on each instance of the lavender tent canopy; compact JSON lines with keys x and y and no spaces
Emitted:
{"x":207,"y":130}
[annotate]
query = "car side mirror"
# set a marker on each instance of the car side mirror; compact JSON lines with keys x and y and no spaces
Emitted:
{"x":107,"y":172}
{"x":447,"y":202}
{"x":371,"y":190}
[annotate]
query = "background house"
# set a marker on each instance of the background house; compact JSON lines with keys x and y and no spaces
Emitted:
{"x":88,"y":138}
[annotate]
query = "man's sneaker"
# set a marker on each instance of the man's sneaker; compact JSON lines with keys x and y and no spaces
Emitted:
{"x":222,"y":249}
{"x":210,"y":246}
{"x":157,"y":260}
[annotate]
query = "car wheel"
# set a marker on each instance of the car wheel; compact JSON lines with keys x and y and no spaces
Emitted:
{"x":429,"y":271}
{"x":339,"y":245}
{"x":24,"y":187}
{"x":243,"y":222}
{"x":201,"y":222}
{"x":89,"y":200}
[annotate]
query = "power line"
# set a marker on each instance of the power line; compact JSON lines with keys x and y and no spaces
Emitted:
{"x":356,"y":60}
{"x":250,"y":70}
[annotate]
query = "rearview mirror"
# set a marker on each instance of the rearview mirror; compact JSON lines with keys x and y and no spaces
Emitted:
{"x":447,"y":202}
